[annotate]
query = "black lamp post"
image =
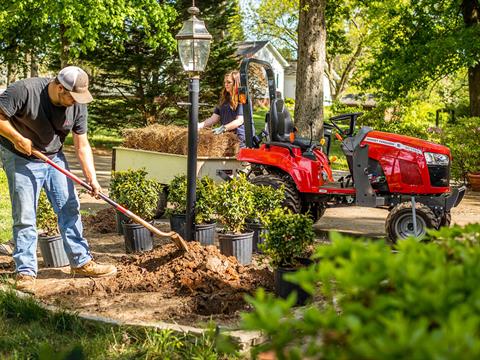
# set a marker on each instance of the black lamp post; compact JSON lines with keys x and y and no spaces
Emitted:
{"x":193,"y":47}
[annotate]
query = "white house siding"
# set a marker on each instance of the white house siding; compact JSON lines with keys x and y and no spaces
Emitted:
{"x":290,"y":81}
{"x":266,"y":55}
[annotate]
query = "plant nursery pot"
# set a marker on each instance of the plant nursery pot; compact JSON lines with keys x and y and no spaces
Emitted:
{"x":258,"y":235}
{"x":205,"y":233}
{"x":474,"y":180}
{"x":137,"y":238}
{"x":53,"y":252}
{"x":283,"y":288}
{"x":177,"y":224}
{"x":238,"y":245}
{"x":120,"y":219}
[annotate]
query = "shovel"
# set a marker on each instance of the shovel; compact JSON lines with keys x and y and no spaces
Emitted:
{"x":176,"y":238}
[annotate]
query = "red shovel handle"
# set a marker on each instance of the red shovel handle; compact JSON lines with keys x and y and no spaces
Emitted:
{"x":177,"y":239}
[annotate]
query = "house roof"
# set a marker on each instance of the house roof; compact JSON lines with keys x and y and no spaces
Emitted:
{"x":291,"y":69}
{"x":250,"y":48}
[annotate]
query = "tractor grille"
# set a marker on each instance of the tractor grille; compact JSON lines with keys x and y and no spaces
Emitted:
{"x":439,"y":175}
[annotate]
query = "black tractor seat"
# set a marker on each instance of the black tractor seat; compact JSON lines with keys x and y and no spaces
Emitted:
{"x":350,"y":143}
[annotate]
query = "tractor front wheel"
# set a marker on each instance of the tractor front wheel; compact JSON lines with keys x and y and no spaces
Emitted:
{"x":399,"y":224}
{"x":314,"y":210}
{"x":292,"y":197}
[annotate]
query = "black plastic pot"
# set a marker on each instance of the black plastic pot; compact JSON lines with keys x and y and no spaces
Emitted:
{"x":238,"y":245}
{"x":53,"y":252}
{"x":205,"y":233}
{"x":137,"y":238}
{"x":258,"y":235}
{"x":177,"y":223}
{"x":120,"y":219}
{"x":284,"y":288}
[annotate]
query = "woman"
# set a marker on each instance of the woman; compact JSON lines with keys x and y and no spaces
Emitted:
{"x":229,"y":112}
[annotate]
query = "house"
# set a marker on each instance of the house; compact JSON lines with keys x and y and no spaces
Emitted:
{"x":285,"y":72}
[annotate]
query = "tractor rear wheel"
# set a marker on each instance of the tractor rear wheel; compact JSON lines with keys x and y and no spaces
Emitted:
{"x":292,"y":197}
{"x":399,"y":223}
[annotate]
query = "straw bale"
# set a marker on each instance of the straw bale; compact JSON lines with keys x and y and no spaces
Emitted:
{"x":174,"y":140}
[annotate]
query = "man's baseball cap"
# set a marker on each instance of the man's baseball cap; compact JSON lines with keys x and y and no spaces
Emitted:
{"x":75,"y":80}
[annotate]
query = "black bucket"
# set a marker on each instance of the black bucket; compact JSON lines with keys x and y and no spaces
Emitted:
{"x":120,"y":219}
{"x":137,"y":238}
{"x":205,"y":233}
{"x":177,"y":224}
{"x":283,"y":288}
{"x":238,"y":245}
{"x":53,"y":252}
{"x":258,"y":235}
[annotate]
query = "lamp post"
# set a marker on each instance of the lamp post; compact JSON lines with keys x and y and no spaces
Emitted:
{"x":193,"y":47}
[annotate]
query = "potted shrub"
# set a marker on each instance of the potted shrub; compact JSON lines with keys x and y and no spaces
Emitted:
{"x":204,"y":208}
{"x":138,"y":194}
{"x":286,"y":244}
{"x":234,"y":203}
{"x":205,"y":223}
{"x":177,"y":201}
{"x":265,"y":199}
{"x":49,"y":239}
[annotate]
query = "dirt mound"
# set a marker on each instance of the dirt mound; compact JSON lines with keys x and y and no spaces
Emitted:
{"x":210,"y":282}
{"x":102,"y":222}
{"x":173,"y":140}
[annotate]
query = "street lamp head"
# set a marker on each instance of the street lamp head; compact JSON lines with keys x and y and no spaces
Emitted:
{"x":193,"y":43}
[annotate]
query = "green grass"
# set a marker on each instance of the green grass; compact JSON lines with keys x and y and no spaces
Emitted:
{"x":29,"y":331}
{"x":5,"y":209}
{"x":101,"y":139}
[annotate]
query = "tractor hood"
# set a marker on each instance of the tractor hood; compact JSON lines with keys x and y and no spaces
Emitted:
{"x":408,"y":143}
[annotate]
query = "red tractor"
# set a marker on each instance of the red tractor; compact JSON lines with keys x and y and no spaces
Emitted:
{"x":409,"y":177}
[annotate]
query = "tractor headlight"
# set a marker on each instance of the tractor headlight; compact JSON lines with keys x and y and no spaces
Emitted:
{"x":436,"y":159}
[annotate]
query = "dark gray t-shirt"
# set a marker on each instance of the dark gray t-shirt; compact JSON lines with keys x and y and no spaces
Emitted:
{"x":33,"y":115}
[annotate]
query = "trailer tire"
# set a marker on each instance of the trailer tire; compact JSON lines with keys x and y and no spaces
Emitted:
{"x":292,"y":197}
{"x":399,"y":223}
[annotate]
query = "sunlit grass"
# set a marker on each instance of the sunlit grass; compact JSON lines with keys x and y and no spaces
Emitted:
{"x":5,"y":209}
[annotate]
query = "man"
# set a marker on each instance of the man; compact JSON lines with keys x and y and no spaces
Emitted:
{"x":38,"y":113}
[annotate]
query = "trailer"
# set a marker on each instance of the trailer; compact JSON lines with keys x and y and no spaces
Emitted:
{"x":163,"y":167}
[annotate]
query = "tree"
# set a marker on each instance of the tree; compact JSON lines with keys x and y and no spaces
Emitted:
{"x":310,"y":67}
{"x":422,"y":42}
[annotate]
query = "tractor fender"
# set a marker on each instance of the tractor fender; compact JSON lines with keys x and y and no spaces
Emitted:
{"x":303,"y":172}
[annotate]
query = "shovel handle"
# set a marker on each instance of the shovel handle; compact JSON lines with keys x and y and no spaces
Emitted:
{"x":177,"y":239}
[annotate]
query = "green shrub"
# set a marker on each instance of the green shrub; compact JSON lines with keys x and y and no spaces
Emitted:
{"x":418,"y":303}
{"x":134,"y":191}
{"x":234,"y":202}
{"x":46,"y":218}
{"x":287,"y":238}
{"x":265,"y":199}
{"x":177,"y":196}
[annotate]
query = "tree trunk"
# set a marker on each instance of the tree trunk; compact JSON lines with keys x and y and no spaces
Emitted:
{"x":64,"y":48}
{"x":471,"y":17}
{"x":33,"y":65}
{"x":11,"y":73}
{"x":310,"y":67}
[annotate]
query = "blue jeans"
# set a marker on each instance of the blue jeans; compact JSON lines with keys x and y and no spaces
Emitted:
{"x":25,"y":180}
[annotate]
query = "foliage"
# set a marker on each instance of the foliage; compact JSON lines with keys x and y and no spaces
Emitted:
{"x":30,"y":331}
{"x":5,"y":209}
{"x":46,"y":217}
{"x":177,"y":196}
{"x":265,"y":199}
{"x":205,"y":200}
{"x":234,"y":203}
{"x":463,"y":139}
{"x":419,"y":302}
{"x":287,"y":238}
{"x":134,"y":191}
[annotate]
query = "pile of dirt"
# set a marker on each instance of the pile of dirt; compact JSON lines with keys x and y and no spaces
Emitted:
{"x":102,"y":222}
{"x":209,"y":282}
{"x":173,"y":140}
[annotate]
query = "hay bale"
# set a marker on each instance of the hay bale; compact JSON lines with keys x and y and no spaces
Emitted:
{"x":174,"y":140}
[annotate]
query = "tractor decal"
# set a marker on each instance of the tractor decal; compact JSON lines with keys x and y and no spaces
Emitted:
{"x":394,"y":144}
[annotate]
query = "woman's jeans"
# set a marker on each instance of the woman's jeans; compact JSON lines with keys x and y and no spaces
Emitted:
{"x":25,"y":180}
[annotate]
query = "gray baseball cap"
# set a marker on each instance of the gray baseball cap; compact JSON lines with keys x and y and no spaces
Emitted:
{"x":75,"y":80}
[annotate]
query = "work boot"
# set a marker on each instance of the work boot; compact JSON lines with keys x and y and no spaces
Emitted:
{"x":25,"y":283}
{"x":92,"y":269}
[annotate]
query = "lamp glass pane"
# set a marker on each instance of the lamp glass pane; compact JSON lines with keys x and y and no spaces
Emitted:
{"x":186,"y":52}
{"x":202,"y":51}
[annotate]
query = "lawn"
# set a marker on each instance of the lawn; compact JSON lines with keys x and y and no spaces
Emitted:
{"x":28,"y":331}
{"x":100,"y":139}
{"x":5,"y":210}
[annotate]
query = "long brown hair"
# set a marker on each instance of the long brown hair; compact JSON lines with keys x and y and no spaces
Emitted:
{"x":232,"y":98}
